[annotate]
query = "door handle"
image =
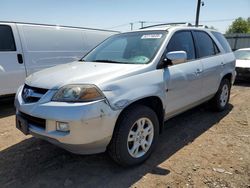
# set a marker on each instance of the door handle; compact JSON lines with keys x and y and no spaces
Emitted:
{"x":222,"y":64}
{"x":20,"y":58}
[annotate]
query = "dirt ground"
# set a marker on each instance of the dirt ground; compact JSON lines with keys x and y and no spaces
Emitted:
{"x":199,"y":148}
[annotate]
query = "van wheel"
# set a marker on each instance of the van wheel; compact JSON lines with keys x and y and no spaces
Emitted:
{"x":135,"y":136}
{"x":220,"y":100}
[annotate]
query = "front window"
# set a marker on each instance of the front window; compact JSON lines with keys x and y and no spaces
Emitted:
{"x":242,"y":54}
{"x":182,"y":41}
{"x":133,"y":48}
{"x":7,"y":42}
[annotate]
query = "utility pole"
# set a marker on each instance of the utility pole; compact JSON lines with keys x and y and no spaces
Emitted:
{"x":142,"y":22}
{"x":199,"y":4}
{"x":131,"y":26}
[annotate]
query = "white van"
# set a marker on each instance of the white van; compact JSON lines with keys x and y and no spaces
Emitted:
{"x":26,"y":48}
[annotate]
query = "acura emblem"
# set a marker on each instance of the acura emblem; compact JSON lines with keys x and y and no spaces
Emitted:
{"x":27,"y":93}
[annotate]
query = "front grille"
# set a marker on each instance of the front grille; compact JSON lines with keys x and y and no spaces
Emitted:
{"x":32,"y":94}
{"x":243,"y":70}
{"x":38,"y":122}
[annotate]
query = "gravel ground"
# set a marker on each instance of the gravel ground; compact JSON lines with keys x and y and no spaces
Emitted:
{"x":199,"y":148}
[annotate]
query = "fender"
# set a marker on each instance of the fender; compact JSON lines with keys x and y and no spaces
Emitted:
{"x":122,"y":93}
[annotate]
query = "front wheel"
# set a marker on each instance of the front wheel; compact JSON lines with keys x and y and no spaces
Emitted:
{"x":220,"y":100}
{"x":135,"y":136}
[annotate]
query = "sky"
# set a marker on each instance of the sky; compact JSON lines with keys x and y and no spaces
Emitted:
{"x":117,"y":14}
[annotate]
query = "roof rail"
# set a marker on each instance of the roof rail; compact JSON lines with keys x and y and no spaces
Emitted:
{"x":203,"y":26}
{"x":166,"y":24}
{"x":175,"y":24}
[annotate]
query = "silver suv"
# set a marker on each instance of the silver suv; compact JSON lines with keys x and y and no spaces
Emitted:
{"x":118,"y":96}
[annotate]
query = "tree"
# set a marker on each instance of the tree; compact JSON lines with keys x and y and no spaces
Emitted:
{"x":239,"y":25}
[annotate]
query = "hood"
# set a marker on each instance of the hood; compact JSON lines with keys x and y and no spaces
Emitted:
{"x":80,"y":73}
{"x":242,"y":63}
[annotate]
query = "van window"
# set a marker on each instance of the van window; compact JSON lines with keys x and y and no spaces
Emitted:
{"x":7,"y":42}
{"x":182,"y":41}
{"x":205,"y":44}
{"x":222,"y":41}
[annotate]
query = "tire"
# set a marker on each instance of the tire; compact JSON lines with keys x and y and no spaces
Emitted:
{"x":220,"y":101}
{"x":127,"y":137}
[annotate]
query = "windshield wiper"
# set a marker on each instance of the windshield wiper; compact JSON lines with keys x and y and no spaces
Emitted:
{"x":105,"y":61}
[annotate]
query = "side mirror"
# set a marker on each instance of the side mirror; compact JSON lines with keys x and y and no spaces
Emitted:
{"x":175,"y":57}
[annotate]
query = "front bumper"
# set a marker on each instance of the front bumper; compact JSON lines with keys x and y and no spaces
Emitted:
{"x":91,"y":124}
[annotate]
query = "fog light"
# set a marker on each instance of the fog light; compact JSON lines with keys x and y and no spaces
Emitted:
{"x":62,"y":126}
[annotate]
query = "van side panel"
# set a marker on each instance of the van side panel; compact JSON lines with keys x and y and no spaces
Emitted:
{"x":46,"y":46}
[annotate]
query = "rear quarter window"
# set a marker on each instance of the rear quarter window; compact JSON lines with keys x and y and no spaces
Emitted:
{"x":7,"y":42}
{"x":222,"y":41}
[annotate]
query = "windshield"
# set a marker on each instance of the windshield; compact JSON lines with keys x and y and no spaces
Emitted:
{"x":134,"y":48}
{"x":242,"y":54}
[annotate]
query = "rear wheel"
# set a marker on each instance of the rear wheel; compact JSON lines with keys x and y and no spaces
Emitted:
{"x":220,"y":100}
{"x":135,"y":136}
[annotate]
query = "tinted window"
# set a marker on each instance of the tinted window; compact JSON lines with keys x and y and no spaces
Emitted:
{"x":182,"y":41}
{"x":205,"y":44}
{"x":6,"y":39}
{"x":222,"y":41}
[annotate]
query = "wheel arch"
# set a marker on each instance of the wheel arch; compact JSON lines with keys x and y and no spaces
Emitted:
{"x":228,"y":76}
{"x":153,"y":102}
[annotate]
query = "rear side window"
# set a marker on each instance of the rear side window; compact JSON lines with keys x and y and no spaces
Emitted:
{"x":182,"y":41}
{"x":7,"y":42}
{"x":206,"y":46}
{"x":222,"y":41}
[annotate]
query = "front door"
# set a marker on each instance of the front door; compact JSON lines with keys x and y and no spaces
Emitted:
{"x":12,"y":69}
{"x":182,"y":81}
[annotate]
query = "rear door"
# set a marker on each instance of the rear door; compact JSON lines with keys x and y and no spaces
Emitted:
{"x":212,"y":62}
{"x":12,"y":69}
{"x":183,"y":81}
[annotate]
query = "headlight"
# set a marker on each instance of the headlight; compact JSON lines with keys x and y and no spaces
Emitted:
{"x":78,"y":93}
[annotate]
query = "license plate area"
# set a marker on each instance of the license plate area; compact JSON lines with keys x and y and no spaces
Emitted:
{"x":22,"y":124}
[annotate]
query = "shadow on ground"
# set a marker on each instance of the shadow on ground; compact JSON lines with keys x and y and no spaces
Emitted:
{"x":36,"y":163}
{"x":7,"y":107}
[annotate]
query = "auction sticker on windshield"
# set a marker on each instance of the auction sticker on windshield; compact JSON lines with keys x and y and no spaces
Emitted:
{"x":152,"y":36}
